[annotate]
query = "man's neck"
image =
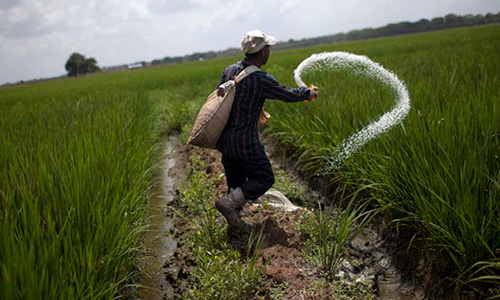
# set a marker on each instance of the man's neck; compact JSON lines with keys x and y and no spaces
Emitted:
{"x":255,"y":62}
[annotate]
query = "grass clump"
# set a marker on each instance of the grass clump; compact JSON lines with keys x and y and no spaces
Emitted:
{"x":223,"y":274}
{"x":328,"y":233}
{"x":197,"y":199}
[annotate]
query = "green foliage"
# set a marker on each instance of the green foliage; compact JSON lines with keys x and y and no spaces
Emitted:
{"x":328,"y":233}
{"x":176,"y":113}
{"x":77,"y":65}
{"x":343,"y":291}
{"x":197,"y":199}
{"x":276,"y":292}
{"x":76,"y":157}
{"x":482,"y":275}
{"x":224,"y":275}
{"x":75,"y":173}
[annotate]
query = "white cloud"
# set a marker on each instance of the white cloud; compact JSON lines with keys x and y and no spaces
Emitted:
{"x":36,"y":37}
{"x":288,"y":6}
{"x":168,"y":6}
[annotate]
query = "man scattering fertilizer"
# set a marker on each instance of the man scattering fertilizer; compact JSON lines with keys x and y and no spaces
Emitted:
{"x":248,"y":169}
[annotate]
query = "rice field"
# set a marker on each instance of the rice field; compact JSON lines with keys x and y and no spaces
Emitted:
{"x":77,"y":156}
{"x":439,"y":169}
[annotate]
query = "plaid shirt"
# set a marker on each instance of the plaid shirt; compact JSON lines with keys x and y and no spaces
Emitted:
{"x":240,"y":138}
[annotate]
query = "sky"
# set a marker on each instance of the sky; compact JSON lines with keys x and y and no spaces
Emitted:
{"x":37,"y":37}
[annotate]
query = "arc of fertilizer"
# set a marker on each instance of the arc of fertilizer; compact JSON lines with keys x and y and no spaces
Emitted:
{"x":359,"y":64}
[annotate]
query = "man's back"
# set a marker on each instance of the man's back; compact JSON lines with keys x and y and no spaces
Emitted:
{"x":240,"y":138}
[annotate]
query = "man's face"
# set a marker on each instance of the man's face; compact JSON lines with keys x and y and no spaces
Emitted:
{"x":266,"y":52}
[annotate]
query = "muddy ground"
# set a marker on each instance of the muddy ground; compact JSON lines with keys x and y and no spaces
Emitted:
{"x":368,"y":272}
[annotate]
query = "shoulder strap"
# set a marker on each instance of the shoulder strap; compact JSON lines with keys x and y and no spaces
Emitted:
{"x":247,"y":71}
{"x":242,"y":75}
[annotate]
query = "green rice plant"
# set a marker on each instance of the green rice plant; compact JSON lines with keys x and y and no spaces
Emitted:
{"x":176,"y":113}
{"x":76,"y":161}
{"x":328,"y":233}
{"x":75,"y":175}
{"x":439,"y":169}
{"x":483,"y":277}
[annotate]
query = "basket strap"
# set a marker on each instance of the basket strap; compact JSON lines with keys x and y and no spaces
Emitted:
{"x":247,"y":71}
{"x":242,"y":75}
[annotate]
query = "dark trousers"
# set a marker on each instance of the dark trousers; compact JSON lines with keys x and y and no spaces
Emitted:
{"x":254,"y":176}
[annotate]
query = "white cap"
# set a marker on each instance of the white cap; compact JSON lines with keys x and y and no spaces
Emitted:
{"x":255,"y":40}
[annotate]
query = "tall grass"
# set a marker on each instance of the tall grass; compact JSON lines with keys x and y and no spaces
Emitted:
{"x":74,"y":177}
{"x":75,"y":173}
{"x":329,"y":232}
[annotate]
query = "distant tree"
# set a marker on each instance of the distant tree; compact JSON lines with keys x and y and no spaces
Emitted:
{"x":423,"y":25}
{"x":210,"y":55}
{"x":438,"y":22}
{"x":91,"y":65}
{"x":451,"y":19}
{"x":77,"y":65}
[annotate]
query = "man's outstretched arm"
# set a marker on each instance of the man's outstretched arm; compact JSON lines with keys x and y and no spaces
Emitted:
{"x":275,"y":90}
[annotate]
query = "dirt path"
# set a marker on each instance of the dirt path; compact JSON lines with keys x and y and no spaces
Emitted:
{"x":366,"y":273}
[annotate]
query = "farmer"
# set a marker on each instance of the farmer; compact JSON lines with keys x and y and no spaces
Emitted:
{"x":248,"y":169}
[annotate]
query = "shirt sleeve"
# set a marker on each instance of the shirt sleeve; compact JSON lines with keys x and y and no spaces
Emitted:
{"x":274,"y":90}
{"x":222,"y":79}
{"x":228,"y":74}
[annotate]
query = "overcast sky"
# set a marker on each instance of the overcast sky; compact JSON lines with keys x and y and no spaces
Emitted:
{"x":37,"y":37}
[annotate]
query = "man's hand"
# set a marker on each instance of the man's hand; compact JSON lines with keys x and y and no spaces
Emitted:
{"x":264,"y":115}
{"x":220,"y":92}
{"x":313,"y":94}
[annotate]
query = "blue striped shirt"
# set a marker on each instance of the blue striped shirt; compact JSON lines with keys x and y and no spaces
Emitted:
{"x":240,"y":138}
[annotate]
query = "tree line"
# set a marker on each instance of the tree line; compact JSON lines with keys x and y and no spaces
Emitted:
{"x":446,"y":22}
{"x":439,"y":23}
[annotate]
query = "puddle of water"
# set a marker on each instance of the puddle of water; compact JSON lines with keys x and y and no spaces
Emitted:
{"x":161,"y":246}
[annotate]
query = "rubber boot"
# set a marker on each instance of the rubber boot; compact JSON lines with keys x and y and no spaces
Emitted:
{"x":228,"y":207}
{"x":238,"y":209}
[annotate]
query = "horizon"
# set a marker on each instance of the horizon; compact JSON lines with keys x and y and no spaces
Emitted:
{"x":36,"y":40}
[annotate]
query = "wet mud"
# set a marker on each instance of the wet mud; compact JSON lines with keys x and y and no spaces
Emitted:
{"x":160,"y":245}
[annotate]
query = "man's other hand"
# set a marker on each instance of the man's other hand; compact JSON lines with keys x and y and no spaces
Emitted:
{"x":313,"y":93}
{"x":220,"y":92}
